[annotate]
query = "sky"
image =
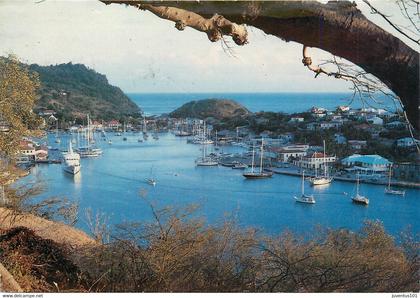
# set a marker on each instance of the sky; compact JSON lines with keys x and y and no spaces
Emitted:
{"x":140,"y":52}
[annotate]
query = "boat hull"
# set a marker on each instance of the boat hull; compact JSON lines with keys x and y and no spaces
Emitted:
{"x":262,"y":175}
{"x":360,"y":201}
{"x":207,"y":164}
{"x":72,"y":169}
{"x":320,"y":181}
{"x":394,"y":192}
{"x":305,"y":200}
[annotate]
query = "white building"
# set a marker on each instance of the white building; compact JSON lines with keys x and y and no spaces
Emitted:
{"x":332,"y":124}
{"x":296,"y":119}
{"x":285,"y":155}
{"x":366,"y":163}
{"x":315,"y":161}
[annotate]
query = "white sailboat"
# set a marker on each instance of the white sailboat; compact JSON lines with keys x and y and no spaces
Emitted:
{"x":389,"y":190}
{"x":358,"y":198}
{"x":322,"y":180}
{"x":151,"y":180}
{"x":88,"y":150}
{"x":205,"y":160}
{"x":57,"y":136}
{"x":124,"y":131}
{"x":308,"y":199}
{"x":145,"y":135}
{"x":71,"y":161}
{"x":257,"y":174}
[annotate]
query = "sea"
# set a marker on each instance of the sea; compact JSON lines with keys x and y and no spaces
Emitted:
{"x":114,"y":185}
{"x":162,"y":103}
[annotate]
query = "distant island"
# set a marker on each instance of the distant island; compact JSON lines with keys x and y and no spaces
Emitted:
{"x":211,"y":108}
{"x":74,"y":90}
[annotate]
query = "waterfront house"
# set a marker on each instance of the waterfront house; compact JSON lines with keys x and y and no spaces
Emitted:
{"x":96,"y":125}
{"x":368,"y":164}
{"x":315,"y":161}
{"x":285,"y":155}
{"x":407,"y":142}
{"x":26,"y":148}
{"x":113,"y":124}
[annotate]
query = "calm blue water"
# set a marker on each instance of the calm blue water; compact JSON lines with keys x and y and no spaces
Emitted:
{"x":160,"y":103}
{"x":111,"y":184}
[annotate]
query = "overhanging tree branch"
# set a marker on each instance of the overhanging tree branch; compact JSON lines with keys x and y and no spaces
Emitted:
{"x":336,"y":27}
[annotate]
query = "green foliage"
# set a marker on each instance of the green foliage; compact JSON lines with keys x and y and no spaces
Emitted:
{"x":18,"y":87}
{"x":351,"y":133}
{"x":215,"y":108}
{"x":73,"y":90}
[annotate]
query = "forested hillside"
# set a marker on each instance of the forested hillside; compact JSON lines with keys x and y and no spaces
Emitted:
{"x":73,"y":90}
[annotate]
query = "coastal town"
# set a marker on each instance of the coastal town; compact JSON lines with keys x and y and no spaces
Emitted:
{"x":369,"y":144}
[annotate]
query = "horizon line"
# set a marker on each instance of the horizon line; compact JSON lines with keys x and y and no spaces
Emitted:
{"x":235,"y":92}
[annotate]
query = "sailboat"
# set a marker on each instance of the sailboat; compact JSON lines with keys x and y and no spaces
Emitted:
{"x":88,"y":150}
{"x":322,"y":180}
{"x":205,"y":160}
{"x":308,"y":199}
{"x":358,"y":198}
{"x":57,"y":137}
{"x":145,"y":135}
{"x":216,"y":147}
{"x":124,"y":137}
{"x":151,"y":180}
{"x":389,"y":190}
{"x":257,"y":174}
{"x":71,"y":161}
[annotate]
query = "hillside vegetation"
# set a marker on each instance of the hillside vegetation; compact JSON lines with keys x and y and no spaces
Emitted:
{"x":214,"y":108}
{"x":180,"y":253}
{"x":74,"y":90}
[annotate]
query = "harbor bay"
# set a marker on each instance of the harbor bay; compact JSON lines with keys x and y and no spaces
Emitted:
{"x":114,"y":184}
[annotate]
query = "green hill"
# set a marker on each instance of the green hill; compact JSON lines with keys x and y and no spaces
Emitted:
{"x":215,"y":108}
{"x":74,"y":90}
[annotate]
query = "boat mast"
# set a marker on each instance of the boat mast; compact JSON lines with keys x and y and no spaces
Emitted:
{"x":56,"y":131}
{"x":88,"y":131}
{"x":325,"y":165}
{"x":262,"y":153}
{"x":78,"y":138}
{"x":357,"y":184}
{"x":303,"y":182}
{"x":253,"y":158}
{"x":390,"y":174}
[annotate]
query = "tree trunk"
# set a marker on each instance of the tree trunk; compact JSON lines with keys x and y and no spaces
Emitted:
{"x":336,"y":27}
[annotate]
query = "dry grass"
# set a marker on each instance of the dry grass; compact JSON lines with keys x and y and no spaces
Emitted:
{"x":56,"y":231}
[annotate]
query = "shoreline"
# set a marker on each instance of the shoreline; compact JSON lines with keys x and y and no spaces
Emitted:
{"x":406,"y":184}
